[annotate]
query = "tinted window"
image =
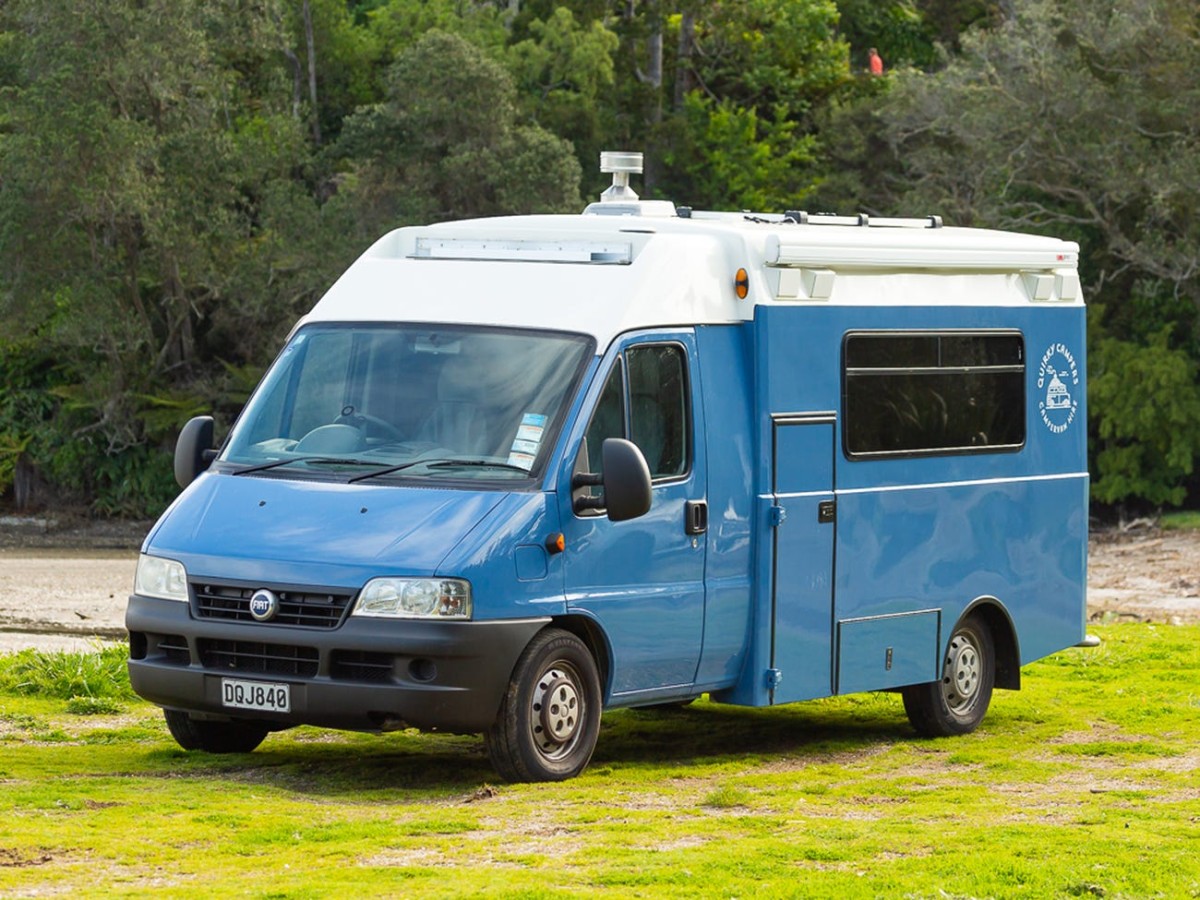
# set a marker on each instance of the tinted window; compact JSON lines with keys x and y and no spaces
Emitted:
{"x":649,"y":408}
{"x":658,"y":407}
{"x":933,"y":393}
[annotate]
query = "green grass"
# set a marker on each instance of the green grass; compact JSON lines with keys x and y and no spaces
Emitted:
{"x":1181,"y":520}
{"x":1084,"y":784}
{"x":98,"y":677}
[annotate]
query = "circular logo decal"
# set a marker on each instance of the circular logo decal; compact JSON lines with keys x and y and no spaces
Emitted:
{"x":1058,"y":385}
{"x":263,"y":605}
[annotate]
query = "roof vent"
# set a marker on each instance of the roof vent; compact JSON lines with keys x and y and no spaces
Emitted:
{"x":621,"y":164}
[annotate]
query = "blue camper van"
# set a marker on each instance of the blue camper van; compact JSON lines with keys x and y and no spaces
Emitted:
{"x":509,"y":473}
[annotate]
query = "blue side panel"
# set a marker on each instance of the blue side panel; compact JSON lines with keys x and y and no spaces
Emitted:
{"x":802,"y":611}
{"x":887,"y":652}
{"x":1016,"y":541}
{"x":724,"y":372}
{"x":937,"y":532}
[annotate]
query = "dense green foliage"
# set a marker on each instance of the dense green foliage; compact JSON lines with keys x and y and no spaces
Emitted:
{"x":180,"y":180}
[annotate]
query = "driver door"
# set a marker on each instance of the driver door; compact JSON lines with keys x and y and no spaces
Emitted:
{"x":642,"y":580}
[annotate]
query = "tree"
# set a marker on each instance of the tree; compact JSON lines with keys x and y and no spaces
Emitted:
{"x":707,"y":70}
{"x":564,"y":75}
{"x":334,"y":63}
{"x":727,"y":157}
{"x":896,"y":28}
{"x":1147,"y":406}
{"x":447,"y":143}
{"x":131,"y":209}
{"x":1080,"y":120}
{"x":1072,"y":125}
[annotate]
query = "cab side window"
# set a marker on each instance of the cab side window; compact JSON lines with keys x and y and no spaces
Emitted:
{"x":649,"y":407}
{"x":658,"y":407}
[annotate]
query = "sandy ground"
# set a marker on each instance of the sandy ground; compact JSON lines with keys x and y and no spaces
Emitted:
{"x":64,"y":586}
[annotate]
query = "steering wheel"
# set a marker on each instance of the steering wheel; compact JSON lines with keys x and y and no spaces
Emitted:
{"x":365,"y":421}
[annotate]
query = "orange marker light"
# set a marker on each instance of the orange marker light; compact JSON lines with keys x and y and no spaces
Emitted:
{"x":556,"y":543}
{"x":741,"y":284}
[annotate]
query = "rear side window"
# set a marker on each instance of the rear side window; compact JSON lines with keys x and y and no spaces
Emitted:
{"x":933,"y":393}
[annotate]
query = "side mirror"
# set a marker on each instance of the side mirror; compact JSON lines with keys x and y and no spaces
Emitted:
{"x":193,"y":451}
{"x":626,"y":480}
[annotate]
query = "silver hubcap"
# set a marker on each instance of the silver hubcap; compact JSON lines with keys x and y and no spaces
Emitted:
{"x":557,"y":711}
{"x":963,"y":672}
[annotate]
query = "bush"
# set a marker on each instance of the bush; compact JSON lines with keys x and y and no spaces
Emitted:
{"x":1145,"y":405}
{"x":91,"y":682}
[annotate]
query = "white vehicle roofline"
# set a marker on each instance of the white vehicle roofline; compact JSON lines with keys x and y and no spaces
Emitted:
{"x":654,"y":271}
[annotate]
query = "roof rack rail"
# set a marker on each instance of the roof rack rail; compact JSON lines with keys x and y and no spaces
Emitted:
{"x":860,"y":220}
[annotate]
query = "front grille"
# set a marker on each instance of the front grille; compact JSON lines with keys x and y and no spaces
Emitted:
{"x":258,"y":657}
{"x":306,"y":607}
{"x":361,"y":665}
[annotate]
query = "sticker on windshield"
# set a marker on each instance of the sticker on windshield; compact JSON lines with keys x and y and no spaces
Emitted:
{"x":529,"y":438}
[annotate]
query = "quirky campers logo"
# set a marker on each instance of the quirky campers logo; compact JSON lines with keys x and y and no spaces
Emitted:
{"x":1058,"y":377}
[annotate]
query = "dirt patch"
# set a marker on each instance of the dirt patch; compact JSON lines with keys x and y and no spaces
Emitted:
{"x":1144,"y":575}
{"x":16,"y":859}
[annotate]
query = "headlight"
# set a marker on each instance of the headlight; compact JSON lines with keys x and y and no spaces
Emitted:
{"x":162,"y":578}
{"x":415,"y":598}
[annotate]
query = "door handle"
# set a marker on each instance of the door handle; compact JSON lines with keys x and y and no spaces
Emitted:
{"x":696,"y":515}
{"x":826,"y":511}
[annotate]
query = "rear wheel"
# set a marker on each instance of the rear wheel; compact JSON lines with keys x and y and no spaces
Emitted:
{"x":549,"y":719}
{"x":215,"y":737}
{"x":957,"y":703}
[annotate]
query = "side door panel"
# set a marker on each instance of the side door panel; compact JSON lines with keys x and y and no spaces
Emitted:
{"x":642,"y":580}
{"x":802,"y":590}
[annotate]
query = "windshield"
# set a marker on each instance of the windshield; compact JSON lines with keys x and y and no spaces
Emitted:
{"x":376,"y":401}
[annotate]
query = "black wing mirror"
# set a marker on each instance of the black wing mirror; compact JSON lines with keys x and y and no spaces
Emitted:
{"x":194,"y":450}
{"x":626,"y":482}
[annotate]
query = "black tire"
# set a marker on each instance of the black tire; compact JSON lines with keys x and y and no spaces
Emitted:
{"x":957,"y":703}
{"x":549,"y":719}
{"x":214,"y":737}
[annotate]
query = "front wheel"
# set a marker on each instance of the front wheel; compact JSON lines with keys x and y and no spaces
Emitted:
{"x":957,"y":703}
{"x":549,"y":719}
{"x":233,"y":736}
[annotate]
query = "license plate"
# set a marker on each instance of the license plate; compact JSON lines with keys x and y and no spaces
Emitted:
{"x":255,"y":695}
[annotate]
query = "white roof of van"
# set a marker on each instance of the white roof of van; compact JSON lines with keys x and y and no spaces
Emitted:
{"x":606,"y":274}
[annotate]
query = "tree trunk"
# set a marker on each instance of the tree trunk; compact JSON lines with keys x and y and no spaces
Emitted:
{"x":654,"y":75}
{"x":683,"y":59}
{"x":297,"y":80}
{"x":312,"y":72}
{"x":654,"y":68}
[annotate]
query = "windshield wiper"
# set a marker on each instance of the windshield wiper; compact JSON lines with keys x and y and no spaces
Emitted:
{"x":385,"y":471}
{"x":477,"y":462}
{"x":438,"y":463}
{"x":329,"y":460}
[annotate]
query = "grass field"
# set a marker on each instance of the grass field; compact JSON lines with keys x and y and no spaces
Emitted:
{"x":1084,"y":784}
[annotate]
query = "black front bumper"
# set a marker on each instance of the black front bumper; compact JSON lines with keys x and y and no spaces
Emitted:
{"x":365,"y":675}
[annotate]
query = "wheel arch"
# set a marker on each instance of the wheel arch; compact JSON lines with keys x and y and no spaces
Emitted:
{"x":993,"y":614}
{"x":589,"y":631}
